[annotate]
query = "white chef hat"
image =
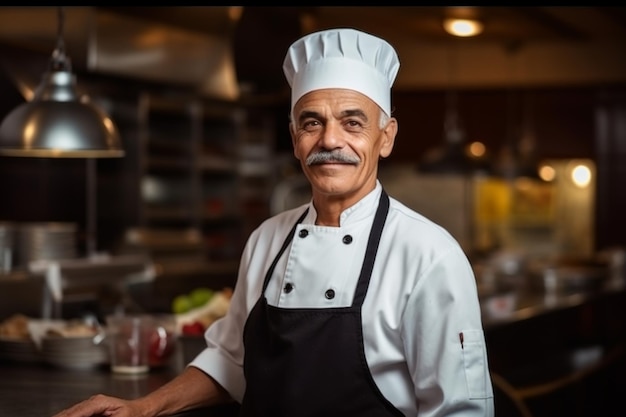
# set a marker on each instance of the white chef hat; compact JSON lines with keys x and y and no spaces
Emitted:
{"x":342,"y":58}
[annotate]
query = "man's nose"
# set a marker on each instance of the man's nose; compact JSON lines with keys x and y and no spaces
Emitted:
{"x":331,"y":136}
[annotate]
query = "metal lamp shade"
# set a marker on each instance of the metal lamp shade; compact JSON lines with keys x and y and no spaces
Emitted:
{"x":56,"y":123}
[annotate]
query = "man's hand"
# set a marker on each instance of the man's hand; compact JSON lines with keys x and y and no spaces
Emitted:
{"x":102,"y":405}
{"x":191,"y":389}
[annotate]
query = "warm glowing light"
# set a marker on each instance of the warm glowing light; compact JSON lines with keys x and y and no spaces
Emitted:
{"x":547,"y":173}
{"x":477,"y":149}
{"x":108,"y":123}
{"x":463,"y":27}
{"x":29,"y":135}
{"x":235,"y":12}
{"x":581,"y":176}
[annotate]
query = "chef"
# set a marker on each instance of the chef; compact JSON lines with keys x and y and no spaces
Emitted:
{"x":352,"y":304}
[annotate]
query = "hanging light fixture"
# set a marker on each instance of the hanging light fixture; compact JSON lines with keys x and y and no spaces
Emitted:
{"x":517,"y":157}
{"x":57,"y":122}
{"x":455,"y":156}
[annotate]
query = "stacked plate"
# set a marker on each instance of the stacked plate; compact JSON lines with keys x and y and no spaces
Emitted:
{"x":18,"y":349}
{"x":46,"y":241}
{"x":80,"y":352}
{"x":6,"y":247}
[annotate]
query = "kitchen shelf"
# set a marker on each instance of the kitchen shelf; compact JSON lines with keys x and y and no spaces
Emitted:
{"x":168,"y":213}
{"x":201,"y":165}
{"x":168,"y":164}
{"x":217,"y":164}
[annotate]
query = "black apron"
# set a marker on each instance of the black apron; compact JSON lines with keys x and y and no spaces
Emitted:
{"x":309,"y":361}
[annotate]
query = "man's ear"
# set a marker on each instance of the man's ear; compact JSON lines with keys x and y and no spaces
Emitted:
{"x":388,"y":137}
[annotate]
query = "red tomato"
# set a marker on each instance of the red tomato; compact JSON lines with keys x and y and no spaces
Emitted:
{"x":193,"y":329}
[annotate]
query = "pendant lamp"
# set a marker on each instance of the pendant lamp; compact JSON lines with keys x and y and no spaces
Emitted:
{"x":453,"y":157}
{"x":57,"y":122}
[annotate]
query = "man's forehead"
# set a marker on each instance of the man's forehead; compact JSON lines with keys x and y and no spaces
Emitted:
{"x":336,"y":100}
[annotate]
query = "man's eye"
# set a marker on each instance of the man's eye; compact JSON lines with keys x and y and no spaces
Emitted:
{"x":310,"y":123}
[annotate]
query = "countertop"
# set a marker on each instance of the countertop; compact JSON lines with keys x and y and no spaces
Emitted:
{"x":39,"y":390}
{"x":515,"y":306}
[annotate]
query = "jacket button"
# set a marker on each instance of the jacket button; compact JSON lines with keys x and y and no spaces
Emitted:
{"x":288,"y":288}
{"x":347,"y":239}
{"x":329,"y":294}
{"x":303,"y":233}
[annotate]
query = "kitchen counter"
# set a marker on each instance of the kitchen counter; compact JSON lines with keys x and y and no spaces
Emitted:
{"x":523,"y":304}
{"x":523,"y":326}
{"x":520,"y":333}
{"x":39,"y":390}
{"x":565,"y":353}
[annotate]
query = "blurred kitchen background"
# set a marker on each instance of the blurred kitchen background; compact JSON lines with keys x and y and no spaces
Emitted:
{"x":200,"y":101}
{"x":513,"y":139}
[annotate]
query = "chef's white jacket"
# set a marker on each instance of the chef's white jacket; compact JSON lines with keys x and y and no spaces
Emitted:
{"x":423,"y":335}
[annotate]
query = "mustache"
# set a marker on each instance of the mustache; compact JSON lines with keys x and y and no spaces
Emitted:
{"x":321,"y":157}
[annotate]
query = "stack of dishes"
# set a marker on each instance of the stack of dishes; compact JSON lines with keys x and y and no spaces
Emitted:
{"x":46,"y":241}
{"x":6,"y":247}
{"x":18,"y":349}
{"x":74,"y":352}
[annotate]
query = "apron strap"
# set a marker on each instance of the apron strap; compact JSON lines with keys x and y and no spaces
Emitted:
{"x":372,"y":249}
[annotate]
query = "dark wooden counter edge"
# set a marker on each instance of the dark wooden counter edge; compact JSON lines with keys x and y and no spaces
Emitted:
{"x":556,"y":324}
{"x":531,"y":305}
{"x":39,"y":389}
{"x":36,"y":390}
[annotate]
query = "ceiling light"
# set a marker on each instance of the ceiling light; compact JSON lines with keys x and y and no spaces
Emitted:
{"x":56,"y":122}
{"x":462,"y":27}
{"x":581,"y":175}
{"x":547,"y":172}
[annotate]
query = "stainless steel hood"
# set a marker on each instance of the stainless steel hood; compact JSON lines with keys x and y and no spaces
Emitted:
{"x":108,"y":43}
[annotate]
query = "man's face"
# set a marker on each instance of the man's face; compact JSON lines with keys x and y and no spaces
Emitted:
{"x":337,"y":138}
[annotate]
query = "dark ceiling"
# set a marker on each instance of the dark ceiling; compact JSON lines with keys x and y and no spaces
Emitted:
{"x":502,"y":24}
{"x":260,"y":36}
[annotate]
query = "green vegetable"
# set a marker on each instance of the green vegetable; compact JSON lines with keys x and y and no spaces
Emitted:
{"x":181,"y":304}
{"x":201,"y":296}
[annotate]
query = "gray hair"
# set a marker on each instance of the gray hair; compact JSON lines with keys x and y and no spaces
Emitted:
{"x":383,"y":120}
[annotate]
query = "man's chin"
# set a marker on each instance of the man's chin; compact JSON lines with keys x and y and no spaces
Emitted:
{"x":330,"y":186}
